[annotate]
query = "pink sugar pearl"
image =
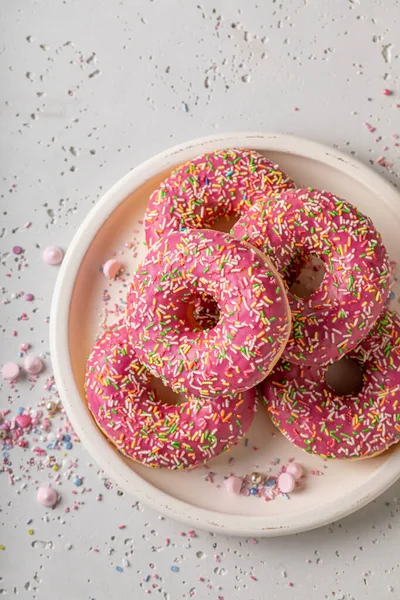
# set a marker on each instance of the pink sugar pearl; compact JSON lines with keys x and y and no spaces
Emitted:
{"x":111,"y":268}
{"x":33,"y":365}
{"x":286,"y":483}
{"x":295,"y":469}
{"x":233,"y":485}
{"x":10,"y":371}
{"x":47,"y":496}
{"x":53,"y":255}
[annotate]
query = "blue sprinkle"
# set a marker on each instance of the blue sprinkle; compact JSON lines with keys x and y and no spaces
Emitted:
{"x":175,"y":569}
{"x":207,"y":181}
{"x":29,"y":521}
{"x":49,"y":446}
{"x":253,"y":491}
{"x":270,"y":482}
{"x":66,"y":438}
{"x":5,"y":455}
{"x":67,"y":445}
{"x":78,"y":481}
{"x":119,"y":569}
{"x":20,"y":410}
{"x":286,"y":496}
{"x":147,"y":578}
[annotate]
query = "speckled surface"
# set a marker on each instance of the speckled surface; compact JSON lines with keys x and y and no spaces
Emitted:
{"x":88,"y":91}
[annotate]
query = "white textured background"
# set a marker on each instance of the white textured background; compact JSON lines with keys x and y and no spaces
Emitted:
{"x":89,"y":89}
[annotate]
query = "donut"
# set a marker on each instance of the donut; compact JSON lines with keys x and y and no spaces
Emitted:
{"x":309,"y":413}
{"x":253,"y":326}
{"x":218,"y":184}
{"x":132,"y":416}
{"x":303,"y":223}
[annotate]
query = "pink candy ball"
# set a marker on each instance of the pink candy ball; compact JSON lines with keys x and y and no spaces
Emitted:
{"x":47,"y":496}
{"x":111,"y":268}
{"x":233,"y":484}
{"x":33,"y":365}
{"x":286,"y":483}
{"x":53,"y":255}
{"x":295,"y":469}
{"x":10,"y":371}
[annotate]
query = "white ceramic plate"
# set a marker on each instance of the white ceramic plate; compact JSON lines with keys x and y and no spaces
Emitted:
{"x":191,"y":497}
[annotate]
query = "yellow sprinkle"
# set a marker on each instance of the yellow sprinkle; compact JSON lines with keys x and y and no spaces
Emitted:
{"x":30,"y":531}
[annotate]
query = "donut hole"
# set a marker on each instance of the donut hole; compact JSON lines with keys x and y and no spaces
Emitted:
{"x":203,"y":312}
{"x":345,"y":377}
{"x":305,"y":275}
{"x":164,"y":393}
{"x":225,"y":223}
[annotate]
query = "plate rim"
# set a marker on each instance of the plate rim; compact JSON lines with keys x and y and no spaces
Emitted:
{"x":96,"y":444}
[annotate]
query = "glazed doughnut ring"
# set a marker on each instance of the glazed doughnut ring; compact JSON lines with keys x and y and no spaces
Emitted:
{"x":254,"y":322}
{"x":341,"y":311}
{"x":219,"y":184}
{"x":307,"y":411}
{"x":129,"y":412}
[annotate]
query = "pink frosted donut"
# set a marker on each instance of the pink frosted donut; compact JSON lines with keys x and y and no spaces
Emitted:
{"x":253,"y":326}
{"x":341,"y":311}
{"x":219,"y":184}
{"x":307,"y":411}
{"x":141,"y":426}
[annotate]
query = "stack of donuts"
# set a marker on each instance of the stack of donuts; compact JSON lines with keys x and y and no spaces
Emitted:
{"x":215,"y":318}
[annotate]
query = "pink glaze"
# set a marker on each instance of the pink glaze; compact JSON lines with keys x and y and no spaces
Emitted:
{"x":311,"y":416}
{"x":224,"y":183}
{"x":254,"y":322}
{"x":133,"y":417}
{"x":341,"y":311}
